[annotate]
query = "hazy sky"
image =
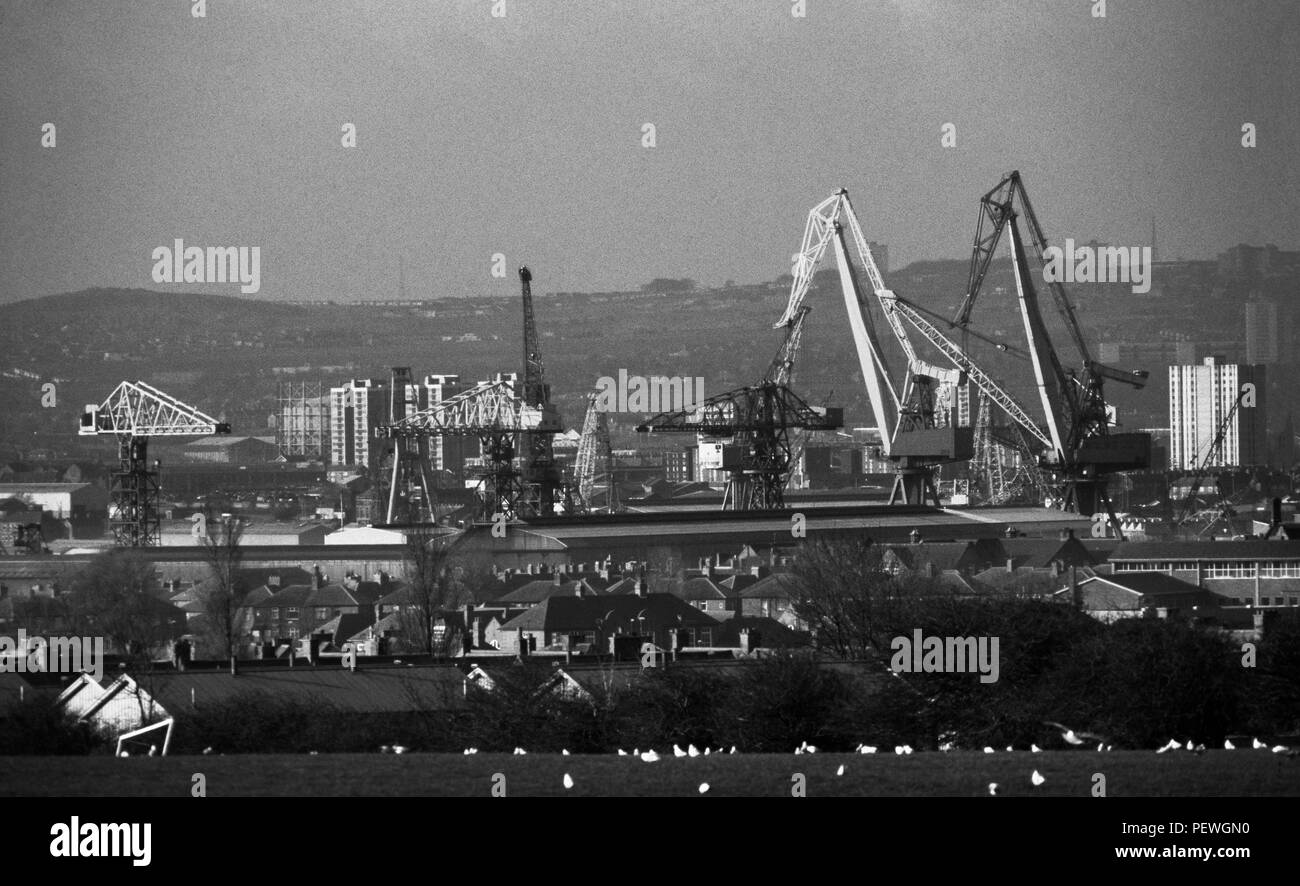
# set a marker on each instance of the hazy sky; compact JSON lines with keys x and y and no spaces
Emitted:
{"x":523,"y":134}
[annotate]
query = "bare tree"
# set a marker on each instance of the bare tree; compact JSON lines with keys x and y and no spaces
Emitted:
{"x":851,"y":602}
{"x":432,"y":587}
{"x":117,"y":596}
{"x":224,"y":592}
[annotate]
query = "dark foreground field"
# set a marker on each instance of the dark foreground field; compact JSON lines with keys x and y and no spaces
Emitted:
{"x":1067,"y":774}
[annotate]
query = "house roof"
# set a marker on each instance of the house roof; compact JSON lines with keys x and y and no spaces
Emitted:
{"x":778,"y":584}
{"x":1040,"y":553}
{"x":586,"y":613}
{"x":738,"y":582}
{"x":1151,"y":584}
{"x":771,"y":633}
{"x":1248,"y":549}
{"x":542,"y":589}
{"x":941,"y":554}
{"x":699,"y":588}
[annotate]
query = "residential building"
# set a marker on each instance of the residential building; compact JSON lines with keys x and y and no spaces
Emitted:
{"x":1201,"y":397}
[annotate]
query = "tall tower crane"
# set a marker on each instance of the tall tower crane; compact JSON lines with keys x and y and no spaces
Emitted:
{"x":498,"y":417}
{"x":541,"y":476}
{"x":760,"y":418}
{"x":133,"y":413}
{"x":1082,"y":450}
{"x":594,"y":448}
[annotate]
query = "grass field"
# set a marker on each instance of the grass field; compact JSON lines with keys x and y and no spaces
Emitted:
{"x":1067,"y":773}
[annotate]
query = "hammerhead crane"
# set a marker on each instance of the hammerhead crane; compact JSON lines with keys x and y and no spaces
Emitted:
{"x":133,"y":413}
{"x":498,"y":417}
{"x":1081,"y":450}
{"x":759,"y":418}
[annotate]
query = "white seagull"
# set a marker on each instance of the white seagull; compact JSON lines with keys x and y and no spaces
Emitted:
{"x":1036,"y":778}
{"x":678,"y":752}
{"x":1228,"y":746}
{"x":988,"y":750}
{"x":622,"y":753}
{"x":704,"y":787}
{"x":568,"y":781}
{"x":1035,"y":748}
{"x":650,"y":756}
{"x":993,"y":789}
{"x":867,"y":749}
{"x":398,"y":749}
{"x":1257,"y":744}
{"x":840,"y":771}
{"x":692,"y":751}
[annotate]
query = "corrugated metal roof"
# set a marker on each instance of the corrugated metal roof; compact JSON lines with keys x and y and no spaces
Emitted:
{"x":1249,"y":549}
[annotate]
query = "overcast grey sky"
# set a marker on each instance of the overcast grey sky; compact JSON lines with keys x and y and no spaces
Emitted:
{"x":523,"y":134}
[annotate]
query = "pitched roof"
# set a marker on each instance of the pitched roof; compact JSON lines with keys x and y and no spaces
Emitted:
{"x":585,"y":613}
{"x":778,"y":584}
{"x":542,"y":589}
{"x":699,"y":588}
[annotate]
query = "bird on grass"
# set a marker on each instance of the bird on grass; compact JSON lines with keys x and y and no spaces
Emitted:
{"x":564,"y":752}
{"x":1010,"y":748}
{"x":398,"y":749}
{"x":1171,"y":746}
{"x":867,"y":749}
{"x":1071,"y":736}
{"x":988,"y":750}
{"x":692,"y":751}
{"x":946,"y":746}
{"x":1035,"y":749}
{"x":622,"y":753}
{"x":840,"y":771}
{"x":678,"y":752}
{"x":1280,"y":749}
{"x":903,"y":749}
{"x":704,"y":787}
{"x":807,"y":748}
{"x":650,"y":756}
{"x":1257,"y":744}
{"x":1228,"y":745}
{"x":993,"y":789}
{"x":153,"y":750}
{"x":1037,"y":778}
{"x":383,"y":749}
{"x":733,"y":749}
{"x":208,"y":749}
{"x":519,"y":752}
{"x":568,"y":781}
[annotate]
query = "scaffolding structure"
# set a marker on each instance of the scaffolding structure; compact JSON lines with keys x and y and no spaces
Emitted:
{"x":300,"y":429}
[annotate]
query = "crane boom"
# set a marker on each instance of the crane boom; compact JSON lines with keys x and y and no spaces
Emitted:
{"x":133,"y":413}
{"x":136,"y":409}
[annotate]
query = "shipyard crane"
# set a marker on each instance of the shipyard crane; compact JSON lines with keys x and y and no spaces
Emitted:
{"x":760,"y":418}
{"x":541,"y":476}
{"x":919,"y":419}
{"x":1081,"y":451}
{"x":410,"y":460}
{"x":498,"y":417}
{"x":134,"y":413}
{"x":594,"y":448}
